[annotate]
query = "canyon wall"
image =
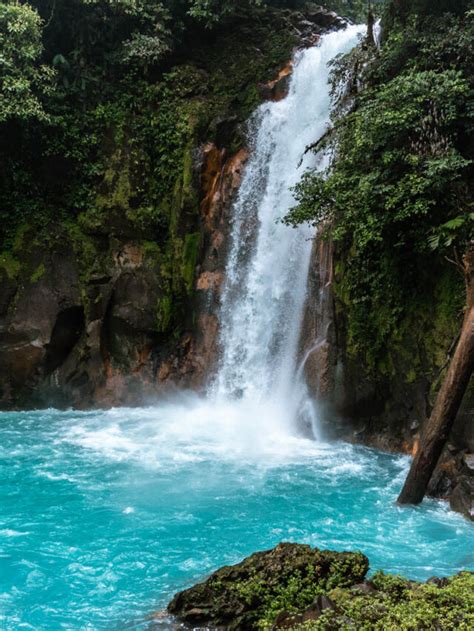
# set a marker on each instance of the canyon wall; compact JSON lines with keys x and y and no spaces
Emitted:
{"x":387,"y":408}
{"x":116,"y":303}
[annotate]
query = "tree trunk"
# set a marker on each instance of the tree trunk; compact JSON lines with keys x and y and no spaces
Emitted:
{"x":370,"y":28}
{"x":448,"y":401}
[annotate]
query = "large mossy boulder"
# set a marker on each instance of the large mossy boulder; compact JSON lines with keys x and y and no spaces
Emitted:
{"x":288,"y":579}
{"x":304,"y":589}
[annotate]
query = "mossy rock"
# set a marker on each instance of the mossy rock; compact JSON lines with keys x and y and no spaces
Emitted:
{"x":253,"y":593}
{"x":296,"y":587}
{"x":392,"y":603}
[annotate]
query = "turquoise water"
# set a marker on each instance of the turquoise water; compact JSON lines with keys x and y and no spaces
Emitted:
{"x":105,"y":515}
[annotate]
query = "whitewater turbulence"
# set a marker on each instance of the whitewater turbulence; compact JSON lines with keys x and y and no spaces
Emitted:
{"x":267,"y":269}
{"x":257,"y":400}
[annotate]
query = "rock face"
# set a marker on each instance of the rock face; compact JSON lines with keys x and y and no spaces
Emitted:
{"x":119,"y":302}
{"x":64,"y":341}
{"x":277,"y":89}
{"x":105,"y":337}
{"x":220,"y":179}
{"x":318,"y":339}
{"x":462,"y":497}
{"x":384,"y":410}
{"x":263,"y":585}
{"x":380,"y":410}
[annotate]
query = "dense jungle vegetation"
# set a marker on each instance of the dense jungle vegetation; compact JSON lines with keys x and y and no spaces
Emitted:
{"x":102,"y":105}
{"x":74,"y":70}
{"x":397,"y":198}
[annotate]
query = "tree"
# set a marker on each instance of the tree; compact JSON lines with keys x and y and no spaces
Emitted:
{"x":24,"y":80}
{"x":449,"y":398}
{"x":211,"y":11}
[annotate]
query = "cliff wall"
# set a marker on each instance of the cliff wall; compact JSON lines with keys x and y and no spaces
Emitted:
{"x":114,"y":244}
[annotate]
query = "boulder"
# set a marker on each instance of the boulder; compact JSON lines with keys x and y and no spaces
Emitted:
{"x":269,"y":586}
{"x":468,"y":461}
{"x":300,"y":588}
{"x":462,"y":498}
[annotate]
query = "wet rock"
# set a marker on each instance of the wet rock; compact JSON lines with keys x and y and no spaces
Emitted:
{"x":468,"y":461}
{"x":225,"y":131}
{"x":367,"y":587}
{"x":220,"y":178}
{"x":451,"y":468}
{"x":35,"y":327}
{"x":277,"y":89}
{"x":462,"y":498}
{"x":439,"y":582}
{"x":68,"y":339}
{"x":321,"y":604}
{"x":286,"y":620}
{"x":318,"y":338}
{"x":323,"y":18}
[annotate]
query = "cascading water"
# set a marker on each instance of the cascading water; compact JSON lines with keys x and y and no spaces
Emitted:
{"x":266,"y":282}
{"x":106,"y":514}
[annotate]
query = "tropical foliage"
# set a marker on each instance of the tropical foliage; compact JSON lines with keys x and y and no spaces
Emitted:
{"x":23,"y":78}
{"x":396,"y":197}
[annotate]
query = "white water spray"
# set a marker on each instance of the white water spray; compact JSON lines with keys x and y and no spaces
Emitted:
{"x":266,"y":279}
{"x":259,"y":393}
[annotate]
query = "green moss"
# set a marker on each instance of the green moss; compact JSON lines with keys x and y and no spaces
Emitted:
{"x":406,"y":339}
{"x":151,"y":250}
{"x":20,"y":241}
{"x":10,"y":264}
{"x":119,"y":190}
{"x":446,"y":315}
{"x":190,"y":198}
{"x":38,"y":273}
{"x":89,"y":254}
{"x":192,"y":243}
{"x":13,"y":259}
{"x":164,"y":314}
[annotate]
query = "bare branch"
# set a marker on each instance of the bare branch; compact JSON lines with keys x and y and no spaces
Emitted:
{"x":316,"y":146}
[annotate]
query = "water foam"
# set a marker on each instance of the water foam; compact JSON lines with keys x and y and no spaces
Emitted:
{"x":193,"y":429}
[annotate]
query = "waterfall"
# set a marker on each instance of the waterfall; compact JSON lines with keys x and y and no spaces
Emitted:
{"x":265,"y":290}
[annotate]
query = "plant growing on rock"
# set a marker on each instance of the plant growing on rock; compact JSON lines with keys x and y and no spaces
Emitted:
{"x":253,"y":593}
{"x":295,"y":587}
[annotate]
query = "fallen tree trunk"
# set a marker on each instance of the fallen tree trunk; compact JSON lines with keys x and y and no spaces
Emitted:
{"x":448,"y":401}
